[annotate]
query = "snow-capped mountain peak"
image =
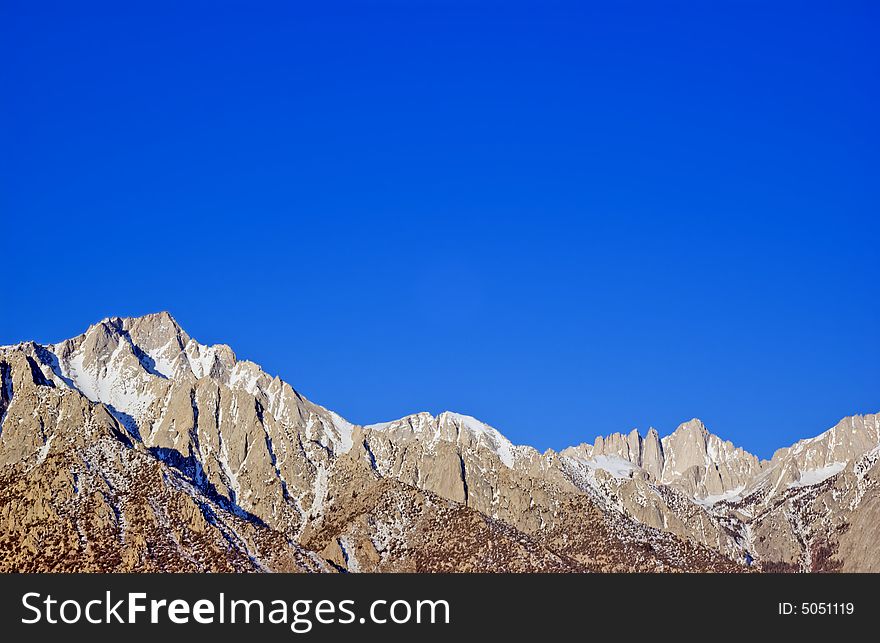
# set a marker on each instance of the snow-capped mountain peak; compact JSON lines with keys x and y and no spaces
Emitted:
{"x":218,"y":437}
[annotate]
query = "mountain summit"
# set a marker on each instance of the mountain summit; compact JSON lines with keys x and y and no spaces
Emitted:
{"x":134,"y":447}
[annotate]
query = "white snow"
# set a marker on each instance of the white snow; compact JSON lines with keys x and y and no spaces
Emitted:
{"x":117,"y":388}
{"x":502,"y":447}
{"x":246,"y":375}
{"x":322,"y":477}
{"x":712,"y":499}
{"x":616,"y":466}
{"x":711,"y":453}
{"x":351,"y":560}
{"x":162,"y":363}
{"x":77,"y":374}
{"x":163,"y":366}
{"x":44,"y":451}
{"x":815,"y":476}
{"x":7,"y":387}
{"x":231,"y":476}
{"x":330,"y":430}
{"x":344,"y":431}
{"x":505,"y":452}
{"x":201,"y":358}
{"x":482,"y":432}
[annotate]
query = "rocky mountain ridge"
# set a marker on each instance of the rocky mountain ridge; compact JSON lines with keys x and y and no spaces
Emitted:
{"x":133,"y":446}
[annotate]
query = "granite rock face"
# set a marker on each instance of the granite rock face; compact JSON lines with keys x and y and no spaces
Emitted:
{"x":135,"y":447}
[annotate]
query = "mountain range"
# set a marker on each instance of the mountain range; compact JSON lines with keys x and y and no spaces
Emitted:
{"x":133,"y":447}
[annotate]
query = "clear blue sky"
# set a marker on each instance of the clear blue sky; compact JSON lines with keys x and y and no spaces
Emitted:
{"x":562,"y":220}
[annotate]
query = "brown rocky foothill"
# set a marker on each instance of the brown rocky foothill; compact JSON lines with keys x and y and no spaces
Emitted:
{"x":133,"y":447}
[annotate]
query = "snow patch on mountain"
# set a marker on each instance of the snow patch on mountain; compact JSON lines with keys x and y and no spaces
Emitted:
{"x":113,"y":385}
{"x":201,"y":358}
{"x":502,"y":447}
{"x":344,"y":432}
{"x":319,"y":493}
{"x":617,"y":467}
{"x":815,"y":476}
{"x":729,"y":496}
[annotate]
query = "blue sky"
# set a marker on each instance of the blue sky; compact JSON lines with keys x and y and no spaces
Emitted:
{"x":563,"y":220}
